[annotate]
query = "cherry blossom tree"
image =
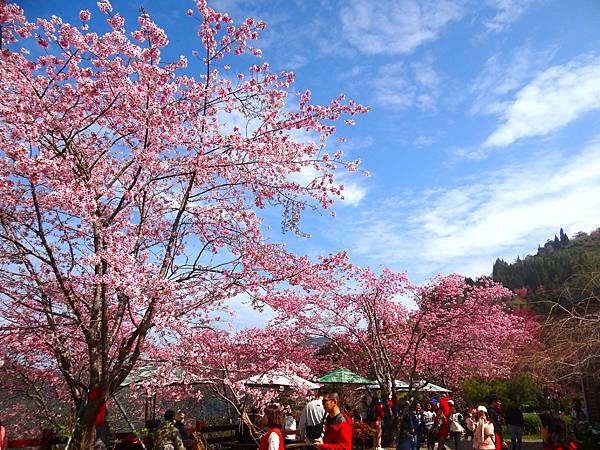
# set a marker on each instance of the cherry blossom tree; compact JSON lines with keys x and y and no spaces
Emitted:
{"x":225,"y":362}
{"x":455,"y":327}
{"x":131,"y":194}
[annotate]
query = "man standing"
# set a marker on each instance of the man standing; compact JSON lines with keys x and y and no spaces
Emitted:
{"x":515,"y":421}
{"x":338,"y":426}
{"x":167,"y":437}
{"x":495,"y":411}
{"x":311,"y":424}
{"x":180,"y":425}
{"x":419,"y":426}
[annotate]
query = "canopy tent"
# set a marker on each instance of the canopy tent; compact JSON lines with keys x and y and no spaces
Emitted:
{"x":420,"y":386}
{"x":430,"y":387}
{"x":275,"y":378}
{"x":156,"y":376}
{"x":398,"y":384}
{"x":343,"y":376}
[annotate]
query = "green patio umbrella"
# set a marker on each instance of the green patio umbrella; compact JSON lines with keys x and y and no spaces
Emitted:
{"x":344,"y":376}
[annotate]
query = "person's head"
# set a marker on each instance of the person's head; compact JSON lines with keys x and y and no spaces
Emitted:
{"x":418,"y":407}
{"x":405,"y":407}
{"x":324,"y":390}
{"x":453,"y":408}
{"x":553,"y":428}
{"x":482,"y":412}
{"x":428,"y":407}
{"x":273,"y":416}
{"x":495,"y":402}
{"x":180,"y":416}
{"x":169,"y":415}
{"x":331,"y":403}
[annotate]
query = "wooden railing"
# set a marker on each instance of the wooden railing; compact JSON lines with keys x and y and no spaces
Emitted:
{"x":227,"y":436}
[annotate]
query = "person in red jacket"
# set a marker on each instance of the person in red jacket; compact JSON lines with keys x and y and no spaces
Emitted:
{"x":338,"y":426}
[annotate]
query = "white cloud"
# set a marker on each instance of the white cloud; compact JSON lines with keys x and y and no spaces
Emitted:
{"x":502,"y":213}
{"x":557,"y":96}
{"x":403,"y":85}
{"x":423,"y":140}
{"x":354,"y":193}
{"x":396,"y":27}
{"x":502,"y":76}
{"x":238,"y":313}
{"x":507,"y":12}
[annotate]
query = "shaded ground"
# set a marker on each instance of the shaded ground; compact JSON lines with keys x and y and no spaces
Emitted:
{"x":468,"y":445}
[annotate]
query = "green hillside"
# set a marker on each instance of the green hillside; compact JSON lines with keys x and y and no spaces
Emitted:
{"x":563,"y":269}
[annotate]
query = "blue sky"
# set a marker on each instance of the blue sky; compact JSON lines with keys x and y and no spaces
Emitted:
{"x":484,"y":137}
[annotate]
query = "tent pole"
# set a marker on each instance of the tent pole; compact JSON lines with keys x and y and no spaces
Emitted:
{"x":129,"y":423}
{"x":154,"y":407}
{"x":147,"y":408}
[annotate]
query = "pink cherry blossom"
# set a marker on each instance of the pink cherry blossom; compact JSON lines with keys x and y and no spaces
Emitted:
{"x":85,"y":14}
{"x":130,"y":213}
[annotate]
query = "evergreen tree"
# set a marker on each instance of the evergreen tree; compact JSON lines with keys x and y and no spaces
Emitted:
{"x":564,"y":239}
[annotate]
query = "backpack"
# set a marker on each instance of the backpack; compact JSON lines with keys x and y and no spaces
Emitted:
{"x":315,"y":431}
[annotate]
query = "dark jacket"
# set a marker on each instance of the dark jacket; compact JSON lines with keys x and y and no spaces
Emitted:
{"x":495,"y":418}
{"x":408,"y":426}
{"x":514,"y":416}
{"x":185,"y":436}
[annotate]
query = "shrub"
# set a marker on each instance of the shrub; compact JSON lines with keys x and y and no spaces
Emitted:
{"x":532,"y":423}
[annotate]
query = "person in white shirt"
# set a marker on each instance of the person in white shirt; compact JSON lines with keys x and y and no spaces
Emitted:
{"x":312,"y":419}
{"x":289,"y":423}
{"x":428,"y":422}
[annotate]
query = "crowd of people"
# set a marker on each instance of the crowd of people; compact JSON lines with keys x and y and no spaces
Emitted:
{"x":435,"y":424}
{"x":326,"y":424}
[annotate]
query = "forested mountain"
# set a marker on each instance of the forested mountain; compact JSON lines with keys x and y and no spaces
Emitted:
{"x":563,"y":270}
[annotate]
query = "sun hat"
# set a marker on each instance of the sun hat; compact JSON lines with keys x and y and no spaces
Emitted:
{"x":482,"y":408}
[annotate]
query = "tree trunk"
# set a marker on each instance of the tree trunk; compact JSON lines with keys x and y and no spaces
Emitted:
{"x":84,"y":437}
{"x":388,"y":436}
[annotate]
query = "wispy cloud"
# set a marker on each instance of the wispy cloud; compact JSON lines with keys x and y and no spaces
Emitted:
{"x":403,"y":85}
{"x":506,"y":12}
{"x":556,"y":97}
{"x":504,"y":212}
{"x":396,"y":27}
{"x":424,"y":140}
{"x":503,"y":75}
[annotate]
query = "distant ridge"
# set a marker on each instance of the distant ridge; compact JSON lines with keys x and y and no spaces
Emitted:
{"x":561,"y":270}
